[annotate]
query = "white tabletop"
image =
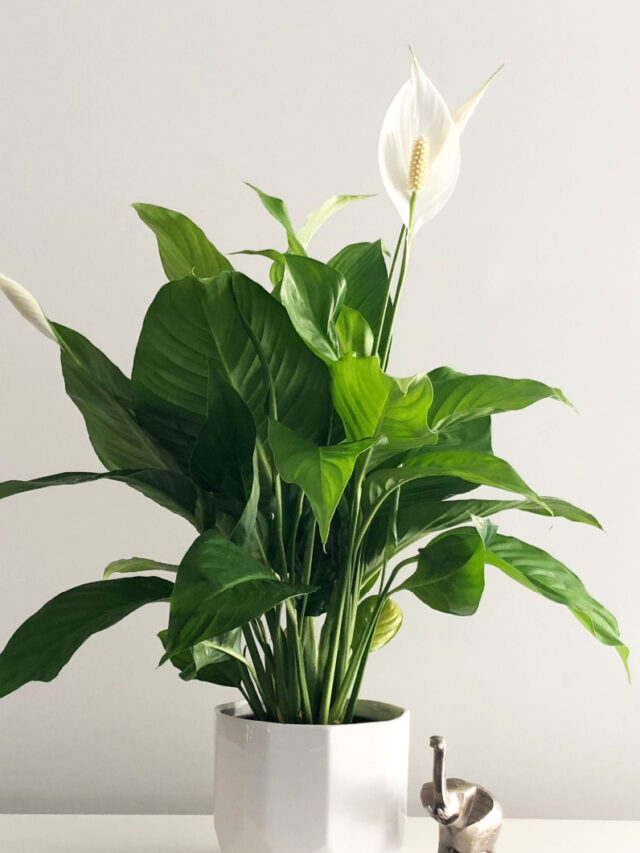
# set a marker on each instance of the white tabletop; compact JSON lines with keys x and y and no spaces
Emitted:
{"x":194,"y":834}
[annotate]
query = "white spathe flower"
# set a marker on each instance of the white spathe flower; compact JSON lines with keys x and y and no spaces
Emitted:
{"x":419,"y":148}
{"x":27,"y":305}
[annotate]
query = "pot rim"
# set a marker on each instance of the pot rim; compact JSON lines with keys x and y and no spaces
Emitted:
{"x":231,"y":711}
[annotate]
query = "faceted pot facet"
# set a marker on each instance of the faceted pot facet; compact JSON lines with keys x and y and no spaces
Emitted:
{"x":283,"y":788}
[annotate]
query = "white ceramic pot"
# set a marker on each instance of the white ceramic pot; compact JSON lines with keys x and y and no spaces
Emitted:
{"x":311,"y":789}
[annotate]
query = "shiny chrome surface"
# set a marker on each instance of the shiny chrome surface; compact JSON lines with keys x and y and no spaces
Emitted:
{"x":469,"y":816}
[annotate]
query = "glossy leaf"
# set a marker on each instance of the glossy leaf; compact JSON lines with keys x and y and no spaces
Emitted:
{"x":47,"y":640}
{"x":317,"y":218}
{"x":276,"y":271}
{"x":220,"y":587}
{"x":449,"y":575}
{"x":484,"y":469}
{"x":467,"y":435}
{"x":418,"y":515}
{"x":222,"y":459}
{"x":167,"y":488}
{"x":313,"y":294}
{"x":104,"y":397}
{"x":370,"y":403}
{"x":365,"y":272}
{"x":417,"y":520}
{"x":184,"y":248}
{"x":206,"y":663}
{"x":278,"y":209}
{"x":458,"y":396}
{"x":227,"y":324}
{"x":535,"y":569}
{"x":388,"y":625}
{"x":354,"y":333}
{"x":321,"y":472}
{"x":133,"y":565}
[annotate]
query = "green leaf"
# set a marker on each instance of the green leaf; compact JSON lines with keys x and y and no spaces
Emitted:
{"x":207,"y":662}
{"x":459,"y":397}
{"x":212,"y":651}
{"x":276,"y":271}
{"x":220,"y":587}
{"x":321,"y":472}
{"x":388,"y":625}
{"x":417,"y":518}
{"x":317,"y":218}
{"x":538,"y":571}
{"x":370,"y":403}
{"x":222,"y":459}
{"x":450,"y":573}
{"x":278,"y":209}
{"x":484,"y":469}
{"x":229,"y":324}
{"x":167,"y":488}
{"x":184,"y":248}
{"x":47,"y":640}
{"x":313,"y":293}
{"x":354,"y":334}
{"x":365,"y":272}
{"x":246,"y":524}
{"x":132,"y":565}
{"x":361,"y":393}
{"x":467,"y":435}
{"x":104,"y":397}
{"x":427,"y":492}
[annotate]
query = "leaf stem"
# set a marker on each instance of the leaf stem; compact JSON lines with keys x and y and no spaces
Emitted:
{"x":360,"y":654}
{"x":390,"y":280}
{"x":401,"y":278}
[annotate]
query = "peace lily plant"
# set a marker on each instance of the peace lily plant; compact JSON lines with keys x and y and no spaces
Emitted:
{"x":266,"y":418}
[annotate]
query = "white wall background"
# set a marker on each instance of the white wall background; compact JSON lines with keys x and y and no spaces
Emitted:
{"x":530,"y":270}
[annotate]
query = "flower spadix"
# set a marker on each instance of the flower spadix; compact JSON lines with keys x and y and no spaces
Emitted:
{"x":419,"y":149}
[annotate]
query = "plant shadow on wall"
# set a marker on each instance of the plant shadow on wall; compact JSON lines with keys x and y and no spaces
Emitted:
{"x":268,"y":421}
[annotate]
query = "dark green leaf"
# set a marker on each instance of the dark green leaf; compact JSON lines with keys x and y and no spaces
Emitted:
{"x":313,"y":294}
{"x":222,"y":459}
{"x":450,"y":573}
{"x":428,"y":492}
{"x":47,"y":640}
{"x":321,"y":472}
{"x":204,"y":663}
{"x":172,"y":490}
{"x":542,"y":573}
{"x":418,"y":518}
{"x":484,"y":469}
{"x":103,"y":395}
{"x":365,"y":271}
{"x":220,"y":587}
{"x":459,"y":397}
{"x":228,"y":323}
{"x":184,"y":248}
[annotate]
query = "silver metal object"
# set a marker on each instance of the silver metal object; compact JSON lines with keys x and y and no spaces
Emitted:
{"x":469,"y":816}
